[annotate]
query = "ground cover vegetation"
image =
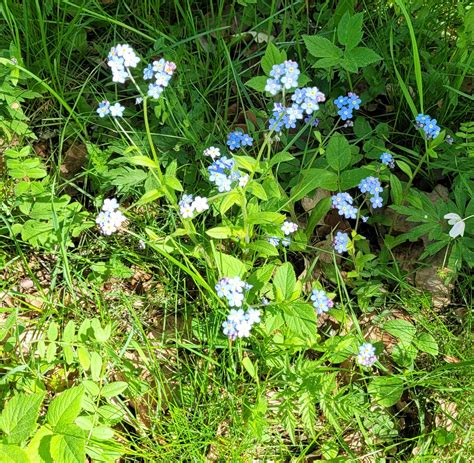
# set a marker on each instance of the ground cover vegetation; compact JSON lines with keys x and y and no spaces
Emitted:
{"x":236,"y":231}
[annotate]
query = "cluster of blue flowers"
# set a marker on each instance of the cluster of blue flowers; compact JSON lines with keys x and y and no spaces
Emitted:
{"x":305,"y":101}
{"x":341,"y":242}
{"x":387,"y":159}
{"x":110,"y":218}
{"x":120,"y":58}
{"x":239,"y":323}
{"x":161,"y":71}
{"x":366,"y":356}
{"x":346,"y":104}
{"x":232,"y":289}
{"x":283,"y":76}
{"x":237,"y":139}
{"x":372,"y":186}
{"x":225,"y":176}
{"x":188,"y":206}
{"x":321,"y":302}
{"x":428,"y":125}
{"x":343,"y":203}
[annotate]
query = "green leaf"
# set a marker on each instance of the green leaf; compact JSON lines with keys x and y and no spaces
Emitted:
{"x":271,"y":57}
{"x":401,"y":329}
{"x":113,"y":389}
{"x":300,"y":319}
{"x":284,"y":282}
{"x":220,"y":233}
{"x":426,"y":343}
{"x":173,"y":182}
{"x":143,"y":161}
{"x":282,"y":156}
{"x":349,"y":30}
{"x":69,"y":446}
{"x":338,"y":152}
{"x":404,"y":354}
{"x":396,"y":190}
{"x":249,"y":366}
{"x":351,"y":178}
{"x":270,"y":218}
{"x":38,"y":447}
{"x":257,"y":190}
{"x":263,"y":248}
{"x":96,"y":366}
{"x":65,"y":408}
{"x":13,"y":454}
{"x":405,"y":168}
{"x":231,"y":198}
{"x":312,"y":179}
{"x":325,"y":63}
{"x":318,"y":213}
{"x":321,"y":47}
{"x":18,"y":418}
{"x":363,"y":56}
{"x":386,"y":390}
{"x":258,"y":83}
{"x":229,"y":266}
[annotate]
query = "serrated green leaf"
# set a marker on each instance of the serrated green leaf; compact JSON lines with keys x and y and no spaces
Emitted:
{"x":257,"y":83}
{"x":401,"y":329}
{"x":229,"y":266}
{"x":321,"y":47}
{"x":386,"y":390}
{"x":65,"y":408}
{"x":349,"y":30}
{"x":13,"y":454}
{"x":363,"y":56}
{"x":284,"y":282}
{"x":300,"y":319}
{"x":271,"y":57}
{"x":263,"y":248}
{"x":38,"y":447}
{"x":69,"y":446}
{"x":18,"y":418}
{"x":426,"y":343}
{"x":338,"y":152}
{"x":312,"y":179}
{"x":113,"y":389}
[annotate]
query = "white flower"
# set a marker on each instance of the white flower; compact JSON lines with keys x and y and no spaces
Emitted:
{"x":289,"y":227}
{"x":243,"y":329}
{"x":243,"y":180}
{"x":186,"y":211}
{"x":458,"y":224}
{"x":200,"y":204}
{"x":110,"y":204}
{"x":253,"y":316}
{"x":236,"y":315}
{"x":212,"y":152}
{"x":116,"y":110}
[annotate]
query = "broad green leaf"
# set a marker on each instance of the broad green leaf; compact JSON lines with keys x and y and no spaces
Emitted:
{"x":363,"y":56}
{"x":38,"y":447}
{"x":349,"y":30}
{"x":401,"y":329}
{"x":263,"y":248}
{"x":405,"y":168}
{"x":229,"y":200}
{"x":426,"y":343}
{"x":150,"y":196}
{"x":339,"y":348}
{"x":321,"y":47}
{"x":386,"y":390}
{"x":271,"y":218}
{"x":312,"y":179}
{"x":96,"y":366}
{"x":325,"y":63}
{"x":300,"y":319}
{"x":404,"y":354}
{"x":284,"y":282}
{"x":173,"y":182}
{"x":362,"y":127}
{"x":229,"y":266}
{"x":352,"y":177}
{"x":271,"y":57}
{"x":84,"y":357}
{"x":69,"y":446}
{"x":317,"y":213}
{"x":257,"y":190}
{"x":65,"y":408}
{"x":257,"y":83}
{"x":396,"y":190}
{"x":113,"y":389}
{"x":18,"y":418}
{"x":249,"y":366}
{"x":220,"y":233}
{"x":338,"y":152}
{"x":13,"y":454}
{"x":277,"y":158}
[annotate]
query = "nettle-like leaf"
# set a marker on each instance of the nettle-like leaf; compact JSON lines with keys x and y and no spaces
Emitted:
{"x":386,"y":390}
{"x":338,"y":152}
{"x":18,"y":418}
{"x":13,"y":454}
{"x":284,"y":282}
{"x":65,"y":408}
{"x":69,"y":446}
{"x":320,"y":47}
{"x":349,"y":30}
{"x":271,"y":57}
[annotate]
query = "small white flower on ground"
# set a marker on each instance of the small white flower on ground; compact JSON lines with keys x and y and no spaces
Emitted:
{"x":200,"y":204}
{"x":253,"y":316}
{"x":243,"y":180}
{"x":289,"y":227}
{"x":212,"y":152}
{"x":117,"y":110}
{"x":186,"y":211}
{"x":110,"y":205}
{"x":458,"y":224}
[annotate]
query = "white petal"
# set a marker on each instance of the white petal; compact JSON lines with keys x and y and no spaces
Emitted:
{"x":458,"y":229}
{"x":453,"y":218}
